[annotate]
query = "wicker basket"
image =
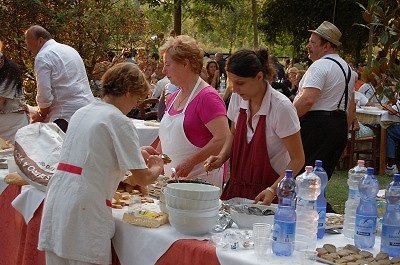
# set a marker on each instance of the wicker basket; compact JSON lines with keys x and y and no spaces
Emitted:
{"x":146,"y":221}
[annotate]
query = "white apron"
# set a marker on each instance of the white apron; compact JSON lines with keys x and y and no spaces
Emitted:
{"x":177,"y":146}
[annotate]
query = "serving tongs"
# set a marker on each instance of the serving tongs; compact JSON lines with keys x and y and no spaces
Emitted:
{"x":174,"y":173}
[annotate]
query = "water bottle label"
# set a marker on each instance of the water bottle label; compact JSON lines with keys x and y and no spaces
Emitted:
{"x":322,"y":216}
{"x":391,"y":235}
{"x":306,"y":203}
{"x":284,"y":232}
{"x":365,"y":225}
{"x":353,"y":193}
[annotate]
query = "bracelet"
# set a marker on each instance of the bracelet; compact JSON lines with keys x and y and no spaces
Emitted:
{"x":272,"y":190}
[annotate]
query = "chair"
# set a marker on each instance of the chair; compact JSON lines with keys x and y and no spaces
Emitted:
{"x":364,"y":148}
{"x":148,"y":109}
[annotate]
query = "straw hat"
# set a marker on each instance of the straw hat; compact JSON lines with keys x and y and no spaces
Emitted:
{"x":329,"y":32}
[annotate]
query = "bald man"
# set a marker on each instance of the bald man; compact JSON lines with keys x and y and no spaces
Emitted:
{"x":62,"y":83}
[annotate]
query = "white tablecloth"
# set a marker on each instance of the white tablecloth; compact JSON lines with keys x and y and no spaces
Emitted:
{"x":147,"y":134}
{"x":138,"y":245}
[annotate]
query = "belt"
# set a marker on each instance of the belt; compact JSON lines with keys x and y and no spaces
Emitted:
{"x":325,"y":113}
{"x":76,"y":170}
{"x":69,"y":168}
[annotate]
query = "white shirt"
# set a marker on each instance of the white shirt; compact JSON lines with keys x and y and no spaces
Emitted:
{"x":369,"y":91}
{"x":159,"y":87}
{"x":327,"y":76}
{"x":62,"y":83}
{"x":281,"y":121}
{"x":76,"y":223}
{"x":360,"y":99}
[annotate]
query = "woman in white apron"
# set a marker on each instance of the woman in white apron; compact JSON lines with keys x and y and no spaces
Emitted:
{"x":194,"y":125}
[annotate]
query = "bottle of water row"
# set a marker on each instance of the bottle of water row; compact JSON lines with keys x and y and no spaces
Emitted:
{"x":321,"y":200}
{"x":366,"y":213}
{"x":390,"y":237}
{"x":285,"y":217}
{"x":354,"y":177}
{"x":308,"y":187}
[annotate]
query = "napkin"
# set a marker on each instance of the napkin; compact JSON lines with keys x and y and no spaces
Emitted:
{"x":3,"y":185}
{"x":28,"y":201}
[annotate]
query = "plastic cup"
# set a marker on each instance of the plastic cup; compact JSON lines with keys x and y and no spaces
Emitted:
{"x":261,"y":239}
{"x":307,"y":255}
{"x":12,"y":167}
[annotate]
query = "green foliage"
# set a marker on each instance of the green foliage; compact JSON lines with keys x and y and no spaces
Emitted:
{"x":90,"y":26}
{"x":293,"y":19}
{"x":383,"y":18}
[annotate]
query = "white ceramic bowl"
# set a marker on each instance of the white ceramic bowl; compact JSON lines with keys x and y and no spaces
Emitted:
{"x":192,"y":224}
{"x":194,"y":191}
{"x":163,"y":207}
{"x":244,"y":220}
{"x":189,"y":204}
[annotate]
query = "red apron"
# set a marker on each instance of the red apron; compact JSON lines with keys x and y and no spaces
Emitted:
{"x":251,"y":171}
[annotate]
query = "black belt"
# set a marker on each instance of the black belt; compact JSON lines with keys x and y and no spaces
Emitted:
{"x":325,"y":113}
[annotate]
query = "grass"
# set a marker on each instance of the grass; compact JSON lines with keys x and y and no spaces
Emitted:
{"x":337,"y":189}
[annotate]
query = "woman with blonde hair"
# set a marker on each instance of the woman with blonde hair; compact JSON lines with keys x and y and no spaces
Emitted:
{"x":101,"y":144}
{"x":194,"y":125}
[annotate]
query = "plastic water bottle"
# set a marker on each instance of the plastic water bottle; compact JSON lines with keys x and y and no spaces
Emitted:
{"x":308,"y":189}
{"x":354,"y":177}
{"x":285,"y":217}
{"x":366,"y":213}
{"x":222,"y":84}
{"x":321,"y":200}
{"x":390,"y":237}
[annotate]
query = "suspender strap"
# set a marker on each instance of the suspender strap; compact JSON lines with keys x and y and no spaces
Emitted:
{"x":347,"y":81}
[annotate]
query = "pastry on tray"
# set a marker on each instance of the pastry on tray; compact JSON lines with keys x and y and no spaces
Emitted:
{"x":15,"y":178}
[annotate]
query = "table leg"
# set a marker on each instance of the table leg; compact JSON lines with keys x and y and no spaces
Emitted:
{"x":382,"y":152}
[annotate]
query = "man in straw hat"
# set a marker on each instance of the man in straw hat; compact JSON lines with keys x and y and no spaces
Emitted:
{"x":325,"y":101}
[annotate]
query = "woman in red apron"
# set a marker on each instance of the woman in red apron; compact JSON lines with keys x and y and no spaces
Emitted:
{"x":265,"y":132}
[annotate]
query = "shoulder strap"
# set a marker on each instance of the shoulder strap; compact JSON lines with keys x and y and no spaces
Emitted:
{"x":347,"y":81}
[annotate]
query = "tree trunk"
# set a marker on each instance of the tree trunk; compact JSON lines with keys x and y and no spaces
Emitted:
{"x":255,"y":25}
{"x":178,"y":17}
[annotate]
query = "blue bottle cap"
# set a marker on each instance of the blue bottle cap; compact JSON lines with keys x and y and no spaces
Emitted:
{"x":318,"y":163}
{"x":289,"y":173}
{"x":370,"y":170}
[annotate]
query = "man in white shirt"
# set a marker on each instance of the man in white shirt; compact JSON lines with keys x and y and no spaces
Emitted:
{"x":62,"y":83}
{"x":325,"y":101}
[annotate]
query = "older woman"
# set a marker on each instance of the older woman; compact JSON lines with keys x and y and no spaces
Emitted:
{"x":13,"y":110}
{"x":101,"y":144}
{"x":194,"y":125}
{"x":265,"y":138}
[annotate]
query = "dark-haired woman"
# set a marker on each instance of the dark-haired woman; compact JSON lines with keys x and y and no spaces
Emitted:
{"x":101,"y":144}
{"x":265,"y":132}
{"x":13,"y":110}
{"x":213,"y":73}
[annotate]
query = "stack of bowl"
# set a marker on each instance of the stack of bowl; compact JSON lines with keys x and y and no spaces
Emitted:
{"x":192,"y":208}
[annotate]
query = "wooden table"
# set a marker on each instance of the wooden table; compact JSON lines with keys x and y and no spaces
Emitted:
{"x":373,"y":117}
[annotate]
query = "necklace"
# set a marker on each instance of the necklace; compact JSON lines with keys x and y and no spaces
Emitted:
{"x":180,"y":102}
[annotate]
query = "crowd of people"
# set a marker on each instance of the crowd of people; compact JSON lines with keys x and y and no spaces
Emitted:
{"x":269,"y":119}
